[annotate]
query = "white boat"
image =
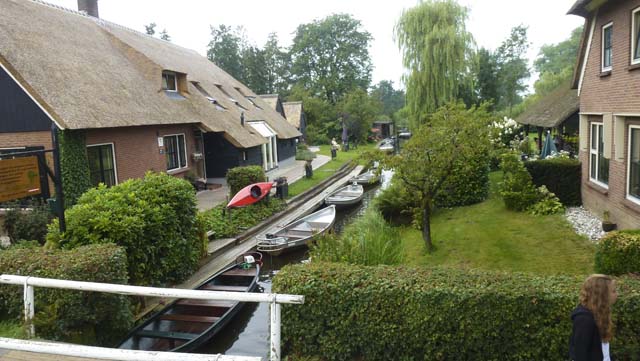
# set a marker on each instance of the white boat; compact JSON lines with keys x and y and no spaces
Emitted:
{"x":346,"y":196}
{"x":366,"y":178}
{"x":298,"y":233}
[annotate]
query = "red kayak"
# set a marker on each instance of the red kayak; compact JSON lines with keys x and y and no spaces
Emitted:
{"x":250,"y":194}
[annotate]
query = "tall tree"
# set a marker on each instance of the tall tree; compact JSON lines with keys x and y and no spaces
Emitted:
{"x":164,"y":35}
{"x":254,"y":64}
{"x":555,"y":63}
{"x":225,"y":49}
{"x":358,"y":110}
{"x":487,"y":84}
{"x":331,"y":56}
{"x":513,"y":68}
{"x":392,"y":100}
{"x":277,"y":66}
{"x":150,"y":29}
{"x":436,"y":49}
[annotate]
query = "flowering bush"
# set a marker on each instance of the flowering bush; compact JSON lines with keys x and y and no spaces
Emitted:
{"x":563,"y":154}
{"x":504,"y":131}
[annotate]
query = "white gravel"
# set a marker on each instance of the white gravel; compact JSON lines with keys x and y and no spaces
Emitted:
{"x":585,"y":223}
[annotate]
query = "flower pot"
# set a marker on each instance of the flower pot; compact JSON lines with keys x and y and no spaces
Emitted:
{"x":608,"y":226}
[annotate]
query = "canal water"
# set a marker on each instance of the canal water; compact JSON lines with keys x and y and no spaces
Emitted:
{"x":248,"y":333}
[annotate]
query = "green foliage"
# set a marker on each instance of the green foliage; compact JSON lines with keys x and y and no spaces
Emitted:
{"x":240,"y":177}
{"x":321,"y":116}
{"x":436,"y":50}
{"x":74,"y":164}
{"x":331,"y":57}
{"x":513,"y":68}
{"x":368,"y":241}
{"x":547,"y":203}
{"x":386,"y":313}
{"x":555,"y":62}
{"x":486,"y":77}
{"x":305,"y":154}
{"x":358,"y":111}
{"x":229,"y":223}
{"x":70,"y":316}
{"x":517,"y":189}
{"x":560,"y":176}
{"x":618,"y":253}
{"x":225,"y":49}
{"x":392,"y":100}
{"x":277,"y":67}
{"x":396,"y":204}
{"x":467,"y":186}
{"x":27,"y":224}
{"x":153,"y":218}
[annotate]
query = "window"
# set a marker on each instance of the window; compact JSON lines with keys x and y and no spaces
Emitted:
{"x":633,"y":180}
{"x":250,"y":99}
{"x":211,"y":99}
{"x":169,"y":81}
{"x":635,"y":36}
{"x":176,"y":151}
{"x":598,"y":164}
{"x":607,"y":51}
{"x":230,"y":97}
{"x":102,"y":164}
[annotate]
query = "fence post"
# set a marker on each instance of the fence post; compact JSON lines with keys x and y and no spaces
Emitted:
{"x":29,"y":308}
{"x":275,"y":329}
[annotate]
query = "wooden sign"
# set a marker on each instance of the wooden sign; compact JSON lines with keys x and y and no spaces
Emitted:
{"x":19,"y":178}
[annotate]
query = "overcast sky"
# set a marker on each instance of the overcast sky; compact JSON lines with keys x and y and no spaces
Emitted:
{"x":188,"y":21}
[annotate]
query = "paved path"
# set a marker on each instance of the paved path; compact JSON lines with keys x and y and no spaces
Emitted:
{"x":211,"y":198}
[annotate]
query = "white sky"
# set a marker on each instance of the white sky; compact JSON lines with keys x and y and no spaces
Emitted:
{"x":187,"y":21}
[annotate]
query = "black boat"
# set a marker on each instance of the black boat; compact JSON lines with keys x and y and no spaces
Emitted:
{"x":186,"y":324}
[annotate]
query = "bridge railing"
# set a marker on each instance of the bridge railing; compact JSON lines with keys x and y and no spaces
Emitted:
{"x":275,"y":301}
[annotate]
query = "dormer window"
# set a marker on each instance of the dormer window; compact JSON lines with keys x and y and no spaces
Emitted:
{"x":169,"y":81}
{"x":229,"y":96}
{"x":206,"y":94}
{"x":250,"y":99}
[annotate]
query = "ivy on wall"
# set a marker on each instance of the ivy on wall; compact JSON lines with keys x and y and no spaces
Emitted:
{"x":74,"y":165}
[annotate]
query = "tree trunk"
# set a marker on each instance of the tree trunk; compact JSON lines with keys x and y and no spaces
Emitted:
{"x":426,"y":225}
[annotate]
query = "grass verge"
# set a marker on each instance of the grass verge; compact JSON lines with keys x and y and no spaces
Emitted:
{"x":10,"y":329}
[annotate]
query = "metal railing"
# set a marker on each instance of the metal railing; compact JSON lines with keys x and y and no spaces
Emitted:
{"x":275,"y":301}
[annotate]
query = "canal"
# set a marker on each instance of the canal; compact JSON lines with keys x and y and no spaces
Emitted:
{"x":248,"y":333}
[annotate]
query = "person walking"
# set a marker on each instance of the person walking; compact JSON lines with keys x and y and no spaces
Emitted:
{"x":592,"y":326}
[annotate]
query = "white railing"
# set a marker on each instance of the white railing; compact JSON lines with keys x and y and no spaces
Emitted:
{"x":275,"y":301}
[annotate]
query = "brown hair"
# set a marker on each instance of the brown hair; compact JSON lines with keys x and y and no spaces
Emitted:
{"x":595,"y":295}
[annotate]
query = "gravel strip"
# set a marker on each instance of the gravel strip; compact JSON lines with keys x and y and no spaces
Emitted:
{"x":585,"y":223}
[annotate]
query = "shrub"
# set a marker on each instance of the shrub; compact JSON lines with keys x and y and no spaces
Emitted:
{"x":618,"y":253}
{"x":72,"y":316}
{"x":547,"y":204}
{"x":467,"y":186}
{"x":225,"y":225}
{"x":27,"y":225}
{"x":74,"y":164}
{"x":153,"y":218}
{"x":516,"y":188}
{"x":395,"y":204}
{"x":386,"y":313}
{"x":560,"y":176}
{"x":240,"y":177}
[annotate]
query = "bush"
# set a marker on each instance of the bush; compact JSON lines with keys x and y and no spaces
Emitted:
{"x":560,"y":176}
{"x":153,"y":218}
{"x":74,"y":165}
{"x":516,"y":188}
{"x":27,"y":225}
{"x":224,"y":225}
{"x":395,"y":204}
{"x":386,"y":313}
{"x":71,"y":316}
{"x":467,"y":186}
{"x":618,"y":253}
{"x":240,"y":177}
{"x":547,"y":204}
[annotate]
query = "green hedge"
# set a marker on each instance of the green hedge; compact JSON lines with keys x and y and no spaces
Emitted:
{"x":240,"y":177}
{"x":618,"y":253}
{"x":390,"y":313}
{"x":74,"y":165}
{"x":229,"y":223}
{"x":560,"y":176}
{"x":153,"y":218}
{"x":517,"y":189}
{"x":467,"y":186}
{"x":72,"y":316}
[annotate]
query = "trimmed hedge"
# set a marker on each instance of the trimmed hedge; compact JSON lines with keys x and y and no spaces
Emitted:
{"x":71,"y":316}
{"x":560,"y":176}
{"x":386,"y":313}
{"x":517,"y":189}
{"x":74,"y":165}
{"x":240,"y":177}
{"x":468,"y":185}
{"x":618,"y":253}
{"x":153,"y":218}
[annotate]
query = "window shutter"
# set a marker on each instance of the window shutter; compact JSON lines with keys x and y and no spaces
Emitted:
{"x":618,"y":137}
{"x":584,"y":132}
{"x":607,"y":129}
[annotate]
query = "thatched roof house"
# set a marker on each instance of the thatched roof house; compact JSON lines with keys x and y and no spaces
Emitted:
{"x":275,"y":102}
{"x":553,"y":109}
{"x":294,"y":113}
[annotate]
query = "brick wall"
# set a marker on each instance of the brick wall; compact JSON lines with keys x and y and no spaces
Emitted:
{"x":26,"y":139}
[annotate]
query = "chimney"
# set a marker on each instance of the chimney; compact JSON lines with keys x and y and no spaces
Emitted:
{"x":242,"y":119}
{"x":89,"y":6}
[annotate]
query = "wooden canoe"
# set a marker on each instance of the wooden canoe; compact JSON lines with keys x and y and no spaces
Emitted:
{"x":185,"y":324}
{"x":346,"y":196}
{"x":250,"y":194}
{"x":297,"y":233}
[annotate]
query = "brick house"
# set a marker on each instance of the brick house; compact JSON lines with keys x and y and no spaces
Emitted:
{"x":607,"y":78}
{"x":141,"y":103}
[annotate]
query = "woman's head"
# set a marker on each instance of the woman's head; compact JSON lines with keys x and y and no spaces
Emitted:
{"x":598,"y":293}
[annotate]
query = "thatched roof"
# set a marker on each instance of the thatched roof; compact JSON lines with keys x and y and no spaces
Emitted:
{"x":271,"y":99}
{"x":294,"y":112}
{"x":552,"y":109}
{"x":89,"y":73}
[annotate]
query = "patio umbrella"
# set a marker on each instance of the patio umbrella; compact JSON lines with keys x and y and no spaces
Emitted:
{"x":548,"y":147}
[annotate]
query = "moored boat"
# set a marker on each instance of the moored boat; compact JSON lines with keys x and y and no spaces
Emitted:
{"x":298,"y":233}
{"x":250,"y":194}
{"x":366,"y":178}
{"x":186,"y":324}
{"x":346,"y":196}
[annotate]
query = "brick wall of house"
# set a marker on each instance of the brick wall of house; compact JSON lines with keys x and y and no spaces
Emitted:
{"x":137,"y":151}
{"x":26,"y":139}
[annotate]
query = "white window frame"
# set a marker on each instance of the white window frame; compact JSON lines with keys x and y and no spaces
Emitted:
{"x":634,"y":33}
{"x":186,"y":155}
{"x":628,"y":185}
{"x":175,"y":81}
{"x":602,"y":67}
{"x":595,"y":152}
{"x":113,"y":153}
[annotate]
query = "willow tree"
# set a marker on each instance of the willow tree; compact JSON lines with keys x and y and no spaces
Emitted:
{"x":436,"y":50}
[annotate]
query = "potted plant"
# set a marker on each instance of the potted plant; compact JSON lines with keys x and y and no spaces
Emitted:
{"x":607,"y":225}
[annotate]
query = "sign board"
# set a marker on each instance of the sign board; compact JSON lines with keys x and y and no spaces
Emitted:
{"x":19,"y":178}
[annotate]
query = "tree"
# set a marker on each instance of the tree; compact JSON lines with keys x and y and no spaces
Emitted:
{"x":358,"y":110}
{"x":487,"y":84}
{"x":277,"y":66}
{"x":443,"y":146}
{"x":254,"y":64}
{"x":436,"y":50}
{"x":150,"y":29}
{"x":331,"y":56}
{"x":225,"y":49}
{"x":513,"y":69}
{"x":321,"y":116}
{"x":164,"y":35}
{"x":392,"y":100}
{"x":556,"y":63}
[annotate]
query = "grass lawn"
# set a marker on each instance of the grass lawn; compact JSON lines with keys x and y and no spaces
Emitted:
{"x":488,"y":236}
{"x":10,"y":329}
{"x":328,"y":169}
